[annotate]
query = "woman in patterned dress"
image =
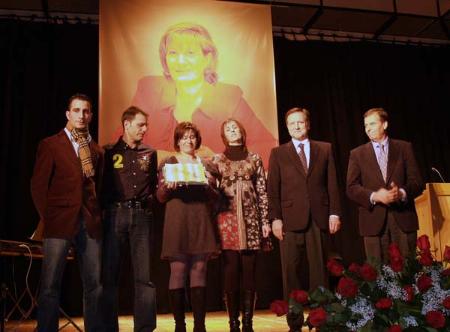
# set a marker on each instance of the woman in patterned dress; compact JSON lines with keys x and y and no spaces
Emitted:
{"x":243,"y":224}
{"x":189,"y":235}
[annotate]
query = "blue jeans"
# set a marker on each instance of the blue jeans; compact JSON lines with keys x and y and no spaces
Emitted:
{"x":88,"y":251}
{"x":131,"y":227}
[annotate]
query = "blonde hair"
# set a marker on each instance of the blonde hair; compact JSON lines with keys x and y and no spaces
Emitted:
{"x":204,"y":39}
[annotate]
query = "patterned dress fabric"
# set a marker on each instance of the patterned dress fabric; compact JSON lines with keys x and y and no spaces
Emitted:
{"x":245,"y":206}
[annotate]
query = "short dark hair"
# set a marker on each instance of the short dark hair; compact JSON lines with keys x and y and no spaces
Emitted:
{"x":378,"y":110}
{"x":181,"y":129}
{"x":79,"y":96}
{"x":130,"y":113}
{"x":241,"y":128}
{"x":297,"y":110}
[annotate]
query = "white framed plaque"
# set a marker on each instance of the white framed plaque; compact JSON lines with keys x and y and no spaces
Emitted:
{"x":185,"y":173}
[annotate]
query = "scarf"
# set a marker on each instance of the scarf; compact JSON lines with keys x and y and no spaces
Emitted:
{"x":81,"y":136}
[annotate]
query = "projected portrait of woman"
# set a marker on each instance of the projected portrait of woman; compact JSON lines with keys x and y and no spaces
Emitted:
{"x":189,"y":90}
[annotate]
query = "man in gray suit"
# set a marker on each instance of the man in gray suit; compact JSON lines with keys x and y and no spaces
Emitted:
{"x":304,"y":203}
{"x":383,"y":179}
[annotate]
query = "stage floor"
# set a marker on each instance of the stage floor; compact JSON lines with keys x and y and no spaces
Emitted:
{"x":264,"y":321}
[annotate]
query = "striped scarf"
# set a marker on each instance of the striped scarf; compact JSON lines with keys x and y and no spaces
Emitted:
{"x":81,"y":136}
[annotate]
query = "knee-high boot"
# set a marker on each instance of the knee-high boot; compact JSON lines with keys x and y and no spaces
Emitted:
{"x":177,"y":300}
{"x":248,"y":307}
{"x":232,"y":301}
{"x":198,"y":303}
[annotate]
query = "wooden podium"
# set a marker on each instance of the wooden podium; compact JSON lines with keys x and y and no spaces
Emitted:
{"x":433,"y":210}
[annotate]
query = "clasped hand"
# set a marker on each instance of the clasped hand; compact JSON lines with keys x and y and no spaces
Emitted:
{"x":388,"y":196}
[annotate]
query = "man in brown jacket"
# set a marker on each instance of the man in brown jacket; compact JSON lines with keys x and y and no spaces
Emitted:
{"x":383,"y":179}
{"x":304,"y":203}
{"x":64,"y":191}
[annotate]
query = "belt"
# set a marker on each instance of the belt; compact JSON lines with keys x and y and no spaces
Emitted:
{"x":132,"y":204}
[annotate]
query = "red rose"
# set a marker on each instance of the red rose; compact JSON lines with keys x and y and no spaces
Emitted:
{"x":354,"y":268}
{"x":423,"y":243}
{"x":395,"y":328}
{"x":409,"y":293}
{"x":447,"y":254}
{"x":317,"y":317}
{"x":425,"y":258}
{"x":435,"y":319}
{"x":383,"y":303}
{"x":446,"y":273}
{"x":368,"y":272}
{"x":424,"y":283}
{"x":446,"y":303}
{"x":394,"y":251}
{"x":395,"y":258}
{"x":397,"y":264}
{"x":335,"y":267}
{"x":347,"y":287}
{"x":279,"y":307}
{"x":299,"y":296}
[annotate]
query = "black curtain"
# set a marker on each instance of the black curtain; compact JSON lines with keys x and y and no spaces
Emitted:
{"x":42,"y":65}
{"x":338,"y":82}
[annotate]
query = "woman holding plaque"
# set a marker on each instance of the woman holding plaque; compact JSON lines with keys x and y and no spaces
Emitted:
{"x":243,"y":223}
{"x":187,"y":187}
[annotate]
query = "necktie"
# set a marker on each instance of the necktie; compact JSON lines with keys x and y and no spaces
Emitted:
{"x":302,"y":156}
{"x":383,"y":161}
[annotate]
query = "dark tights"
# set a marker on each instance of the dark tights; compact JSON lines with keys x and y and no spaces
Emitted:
{"x":180,"y":266}
{"x":239,"y":265}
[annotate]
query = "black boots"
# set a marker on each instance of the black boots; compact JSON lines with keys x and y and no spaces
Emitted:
{"x":247,"y":312}
{"x":232,"y":302}
{"x":177,"y":300}
{"x":198,"y":303}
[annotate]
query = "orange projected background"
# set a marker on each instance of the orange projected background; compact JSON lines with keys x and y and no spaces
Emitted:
{"x":217,"y":62}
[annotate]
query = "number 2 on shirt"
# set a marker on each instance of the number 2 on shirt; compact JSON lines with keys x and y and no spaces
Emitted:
{"x":118,"y":158}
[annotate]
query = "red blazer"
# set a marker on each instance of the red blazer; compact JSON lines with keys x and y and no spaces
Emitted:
{"x":156,"y":96}
{"x":295,"y":196}
{"x":364,"y":177}
{"x":58,"y":188}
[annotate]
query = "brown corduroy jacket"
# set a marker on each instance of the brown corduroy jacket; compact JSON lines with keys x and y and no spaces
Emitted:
{"x":60,"y":192}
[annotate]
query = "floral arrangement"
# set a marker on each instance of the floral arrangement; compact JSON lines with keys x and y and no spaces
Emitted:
{"x":408,"y":294}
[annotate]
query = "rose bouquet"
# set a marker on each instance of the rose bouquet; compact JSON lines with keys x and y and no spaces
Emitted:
{"x":408,"y":294}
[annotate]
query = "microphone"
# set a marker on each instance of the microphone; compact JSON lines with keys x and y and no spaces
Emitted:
{"x":438,"y":173}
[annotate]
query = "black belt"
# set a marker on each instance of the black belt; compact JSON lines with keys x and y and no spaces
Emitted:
{"x":132,"y":204}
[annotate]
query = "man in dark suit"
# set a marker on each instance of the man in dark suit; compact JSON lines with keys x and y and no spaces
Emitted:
{"x":383,"y":179}
{"x":304,"y":203}
{"x":64,"y":190}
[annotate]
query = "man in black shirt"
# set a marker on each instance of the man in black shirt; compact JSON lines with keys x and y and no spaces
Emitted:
{"x":130,"y":179}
